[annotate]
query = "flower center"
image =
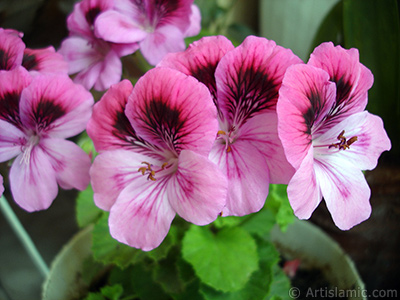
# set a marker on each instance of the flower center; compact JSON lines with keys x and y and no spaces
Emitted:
{"x":343,"y":143}
{"x":27,"y":148}
{"x":227,"y":137}
{"x":150,"y":172}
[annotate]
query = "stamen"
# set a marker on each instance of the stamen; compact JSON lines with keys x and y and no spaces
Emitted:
{"x":343,"y":142}
{"x":148,"y":170}
{"x":228,"y":138}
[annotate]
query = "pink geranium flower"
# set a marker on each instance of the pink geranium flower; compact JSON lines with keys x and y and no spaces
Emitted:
{"x":245,"y":83}
{"x":96,"y":62}
{"x":159,"y":26}
{"x":37,"y":114}
{"x":327,"y":135}
{"x":11,"y":49}
{"x":154,"y":140}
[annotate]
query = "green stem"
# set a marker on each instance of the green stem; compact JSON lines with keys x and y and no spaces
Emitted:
{"x":23,"y":236}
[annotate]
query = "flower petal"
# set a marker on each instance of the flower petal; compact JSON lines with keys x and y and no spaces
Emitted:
{"x":249,"y":77}
{"x":54,"y":105}
{"x":303,"y":189}
{"x":12,"y":140}
{"x":44,"y":60}
{"x":198,"y":189}
{"x":248,"y":177}
{"x":69,"y":161}
{"x":11,"y":49}
{"x":352,"y":79}
{"x":141,"y":216}
{"x":195,"y":22}
{"x":112,"y":171}
{"x":108,"y":127}
{"x":110,"y":73}
{"x":33,"y":181}
{"x":261,"y":132}
{"x":163,"y":40}
{"x":173,"y":111}
{"x":200,"y":60}
{"x":345,"y":191}
{"x":116,"y":27}
{"x":305,"y":98}
{"x":371,"y":141}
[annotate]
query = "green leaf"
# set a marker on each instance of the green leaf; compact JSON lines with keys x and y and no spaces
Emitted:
{"x":230,"y":221}
{"x":260,"y":223}
{"x":162,"y":251}
{"x":166,"y":274}
{"x":86,"y":211}
{"x":113,"y":292}
{"x":108,"y":250}
{"x":259,"y":284}
{"x":280,"y":285}
{"x":373,"y":27}
{"x":95,"y":296}
{"x":224,"y":260}
{"x":278,"y":203}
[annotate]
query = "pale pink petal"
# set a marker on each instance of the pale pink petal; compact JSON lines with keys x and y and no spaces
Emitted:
{"x":54,"y":105}
{"x":116,"y":27}
{"x":110,"y":73}
{"x":195,"y":22}
{"x":12,"y":140}
{"x":200,"y":60}
{"x":69,"y":161}
{"x":303,"y":189}
{"x":371,"y":141}
{"x":44,"y":60}
{"x":248,"y":177}
{"x":345,"y":191}
{"x":353,"y":79}
{"x":163,"y":40}
{"x":305,"y":98}
{"x":33,"y":181}
{"x":261,"y":132}
{"x":141,"y":216}
{"x":249,"y":77}
{"x":112,"y":171}
{"x":79,"y":53}
{"x":11,"y":49}
{"x":173,"y":111}
{"x":198,"y":189}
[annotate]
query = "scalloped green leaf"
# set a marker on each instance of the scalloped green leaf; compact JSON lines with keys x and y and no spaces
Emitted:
{"x":223,"y":260}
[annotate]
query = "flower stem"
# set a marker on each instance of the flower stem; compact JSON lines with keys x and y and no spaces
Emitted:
{"x":23,"y":236}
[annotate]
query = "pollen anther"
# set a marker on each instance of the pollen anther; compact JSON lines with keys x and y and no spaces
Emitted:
{"x":149,"y":171}
{"x":343,"y":142}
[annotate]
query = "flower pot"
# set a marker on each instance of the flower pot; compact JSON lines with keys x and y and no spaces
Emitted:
{"x":302,"y":240}
{"x":316,"y":250}
{"x":64,"y":281}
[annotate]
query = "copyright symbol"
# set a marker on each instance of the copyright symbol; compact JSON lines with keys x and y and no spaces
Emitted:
{"x":294,"y":292}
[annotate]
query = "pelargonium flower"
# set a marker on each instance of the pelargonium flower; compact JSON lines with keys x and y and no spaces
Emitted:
{"x":159,"y":26}
{"x":244,"y":82}
{"x":11,"y":49}
{"x":327,"y":136}
{"x":96,"y":62}
{"x":37,"y":114}
{"x":153,"y":142}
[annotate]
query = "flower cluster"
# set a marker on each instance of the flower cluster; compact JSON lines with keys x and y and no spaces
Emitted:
{"x":202,"y":134}
{"x":102,"y":31}
{"x":39,"y":108}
